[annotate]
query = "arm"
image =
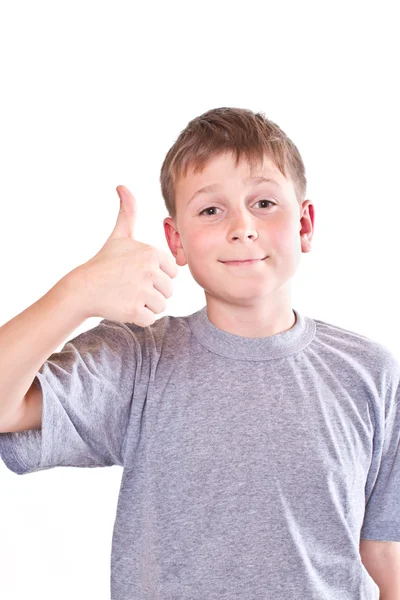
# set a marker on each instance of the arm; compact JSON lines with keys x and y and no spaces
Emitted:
{"x":382,"y":561}
{"x":26,"y":342}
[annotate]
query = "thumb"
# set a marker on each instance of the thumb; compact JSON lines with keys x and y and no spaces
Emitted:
{"x":126,"y":220}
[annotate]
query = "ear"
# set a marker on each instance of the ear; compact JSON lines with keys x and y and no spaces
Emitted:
{"x":174,"y":241}
{"x":307,"y":225}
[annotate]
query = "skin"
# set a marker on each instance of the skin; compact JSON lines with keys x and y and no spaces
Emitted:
{"x":252,"y":301}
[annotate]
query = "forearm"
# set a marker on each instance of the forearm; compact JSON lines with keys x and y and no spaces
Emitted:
{"x":27,"y":340}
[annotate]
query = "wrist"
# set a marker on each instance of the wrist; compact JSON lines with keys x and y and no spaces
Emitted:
{"x":74,"y":286}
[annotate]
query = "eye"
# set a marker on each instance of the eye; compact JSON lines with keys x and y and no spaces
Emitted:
{"x":264,"y":200}
{"x":211,"y":207}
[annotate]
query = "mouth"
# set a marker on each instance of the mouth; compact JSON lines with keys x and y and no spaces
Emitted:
{"x":243,"y":262}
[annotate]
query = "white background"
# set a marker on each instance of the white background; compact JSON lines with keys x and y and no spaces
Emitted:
{"x":93,"y":94}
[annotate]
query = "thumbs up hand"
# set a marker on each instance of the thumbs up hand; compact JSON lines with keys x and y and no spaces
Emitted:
{"x":127,"y":281}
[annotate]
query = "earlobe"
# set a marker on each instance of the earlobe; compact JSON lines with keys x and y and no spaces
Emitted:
{"x":306,"y":242}
{"x":180,"y":258}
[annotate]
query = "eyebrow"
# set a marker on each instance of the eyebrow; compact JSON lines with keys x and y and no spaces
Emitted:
{"x":214,"y":187}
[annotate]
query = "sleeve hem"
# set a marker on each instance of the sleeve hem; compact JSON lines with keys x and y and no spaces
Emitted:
{"x":9,"y":457}
{"x":389,"y":532}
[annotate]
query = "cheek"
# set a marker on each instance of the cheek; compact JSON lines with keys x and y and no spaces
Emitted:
{"x":201,"y":240}
{"x":280,"y":240}
{"x":285,"y":234}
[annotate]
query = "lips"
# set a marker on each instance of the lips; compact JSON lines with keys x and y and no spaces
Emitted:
{"x":243,"y":260}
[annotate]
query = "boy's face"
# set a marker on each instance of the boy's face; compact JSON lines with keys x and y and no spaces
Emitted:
{"x":234,"y":223}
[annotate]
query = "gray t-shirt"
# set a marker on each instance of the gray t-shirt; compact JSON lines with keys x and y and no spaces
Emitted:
{"x":251,"y":466}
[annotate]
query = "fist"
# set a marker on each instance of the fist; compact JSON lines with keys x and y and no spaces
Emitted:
{"x":127,"y":280}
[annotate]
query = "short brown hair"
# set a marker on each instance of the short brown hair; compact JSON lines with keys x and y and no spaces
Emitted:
{"x":239,"y":130}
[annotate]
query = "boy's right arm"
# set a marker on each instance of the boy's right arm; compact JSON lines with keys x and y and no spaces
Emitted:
{"x":26,"y":342}
{"x":125,"y":281}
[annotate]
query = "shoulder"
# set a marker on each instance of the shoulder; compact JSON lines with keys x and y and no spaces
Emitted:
{"x":165,"y":330}
{"x":357,"y":348}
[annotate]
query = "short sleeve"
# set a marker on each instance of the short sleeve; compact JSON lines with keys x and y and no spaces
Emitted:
{"x":87,"y":394}
{"x":382,"y":511}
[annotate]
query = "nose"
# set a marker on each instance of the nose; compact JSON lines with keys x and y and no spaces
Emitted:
{"x":245,"y":235}
{"x":242,"y":227}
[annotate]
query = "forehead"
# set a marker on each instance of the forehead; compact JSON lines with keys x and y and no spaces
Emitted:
{"x":222,"y":170}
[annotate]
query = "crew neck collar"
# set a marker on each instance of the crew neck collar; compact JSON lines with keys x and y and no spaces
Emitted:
{"x":244,"y":348}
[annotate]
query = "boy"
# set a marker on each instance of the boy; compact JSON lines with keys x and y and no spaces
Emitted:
{"x":259,"y":446}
